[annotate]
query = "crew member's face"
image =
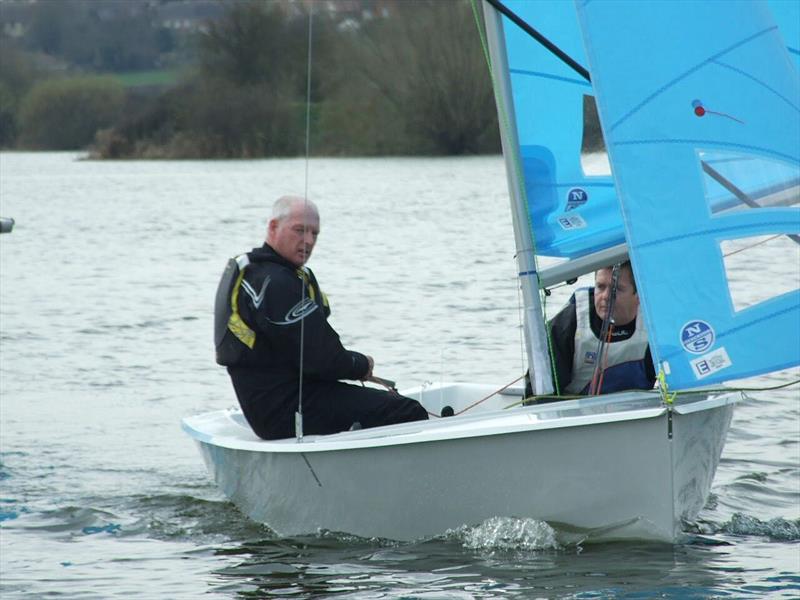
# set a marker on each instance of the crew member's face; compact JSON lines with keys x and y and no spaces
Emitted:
{"x":626,"y":304}
{"x":294,"y":237}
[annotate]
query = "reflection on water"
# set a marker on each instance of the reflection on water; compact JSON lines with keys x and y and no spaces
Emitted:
{"x":106,"y":287}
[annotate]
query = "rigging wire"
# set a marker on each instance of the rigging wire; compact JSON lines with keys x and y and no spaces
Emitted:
{"x":298,"y":423}
{"x":753,"y":245}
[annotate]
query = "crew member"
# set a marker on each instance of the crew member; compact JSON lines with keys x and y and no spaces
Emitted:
{"x":575,"y":332}
{"x":266,"y":301}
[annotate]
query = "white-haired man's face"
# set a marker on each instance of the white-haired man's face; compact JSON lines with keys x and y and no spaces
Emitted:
{"x":294,"y":236}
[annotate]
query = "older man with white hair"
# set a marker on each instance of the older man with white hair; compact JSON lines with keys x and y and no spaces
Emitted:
{"x":272,"y":332}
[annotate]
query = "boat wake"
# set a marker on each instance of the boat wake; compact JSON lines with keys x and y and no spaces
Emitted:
{"x":777,"y":529}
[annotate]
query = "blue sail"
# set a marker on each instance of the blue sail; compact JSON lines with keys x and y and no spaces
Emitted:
{"x":787,"y":15}
{"x":700,"y":106}
{"x":571,"y":213}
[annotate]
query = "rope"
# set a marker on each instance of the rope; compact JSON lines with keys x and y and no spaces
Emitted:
{"x":666,"y":396}
{"x":605,"y":332}
{"x":474,"y":404}
{"x":741,"y":389}
{"x":769,"y":239}
{"x":671,"y":394}
{"x":485,"y":398}
{"x":600,"y":373}
{"x":299,"y":415}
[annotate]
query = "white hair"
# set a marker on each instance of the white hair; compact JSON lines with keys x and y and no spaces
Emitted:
{"x":283,"y":206}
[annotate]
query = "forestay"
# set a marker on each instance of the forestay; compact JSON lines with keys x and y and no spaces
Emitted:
{"x":702,"y":123}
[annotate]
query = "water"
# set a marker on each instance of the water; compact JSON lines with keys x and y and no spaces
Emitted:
{"x":106,"y":286}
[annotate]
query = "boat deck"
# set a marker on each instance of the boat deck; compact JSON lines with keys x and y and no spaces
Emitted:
{"x":500,"y":414}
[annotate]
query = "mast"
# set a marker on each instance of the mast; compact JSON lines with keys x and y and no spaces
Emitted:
{"x":533,"y":320}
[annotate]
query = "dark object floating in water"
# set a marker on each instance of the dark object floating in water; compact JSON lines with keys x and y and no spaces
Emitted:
{"x":6,"y":225}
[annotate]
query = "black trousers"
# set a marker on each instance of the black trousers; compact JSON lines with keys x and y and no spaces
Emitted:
{"x":335,"y":406}
{"x":329,"y":407}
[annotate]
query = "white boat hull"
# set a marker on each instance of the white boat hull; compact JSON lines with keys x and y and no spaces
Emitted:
{"x":604,"y":466}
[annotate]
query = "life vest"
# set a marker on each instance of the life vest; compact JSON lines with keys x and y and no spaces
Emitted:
{"x":232,"y":336}
{"x":625,"y":363}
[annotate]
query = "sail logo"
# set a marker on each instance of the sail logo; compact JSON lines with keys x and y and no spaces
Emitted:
{"x":697,"y":336}
{"x":710,"y":363}
{"x":576,"y":197}
{"x":573,"y":222}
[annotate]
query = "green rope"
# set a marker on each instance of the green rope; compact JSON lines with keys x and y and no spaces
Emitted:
{"x":741,"y":389}
{"x":666,"y":396}
{"x":521,"y":185}
{"x":672,"y":394}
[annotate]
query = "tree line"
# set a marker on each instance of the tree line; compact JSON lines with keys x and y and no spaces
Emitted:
{"x":414,"y":81}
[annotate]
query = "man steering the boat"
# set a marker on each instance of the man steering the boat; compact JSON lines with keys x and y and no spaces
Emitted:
{"x":271,"y":325}
{"x":599,"y":339}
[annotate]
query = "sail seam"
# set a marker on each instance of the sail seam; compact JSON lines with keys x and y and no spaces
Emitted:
{"x":685,"y":74}
{"x":758,"y":81}
{"x":573,"y":184}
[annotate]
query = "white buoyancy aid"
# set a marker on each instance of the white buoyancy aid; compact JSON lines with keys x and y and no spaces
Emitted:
{"x":630,"y":351}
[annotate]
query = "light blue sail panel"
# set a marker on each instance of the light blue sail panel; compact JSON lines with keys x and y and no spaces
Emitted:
{"x":700,"y":104}
{"x":572,"y":214}
{"x":787,"y":16}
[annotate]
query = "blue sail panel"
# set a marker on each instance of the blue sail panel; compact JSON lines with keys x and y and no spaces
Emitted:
{"x":787,"y":16}
{"x":700,"y":107}
{"x":572,"y":213}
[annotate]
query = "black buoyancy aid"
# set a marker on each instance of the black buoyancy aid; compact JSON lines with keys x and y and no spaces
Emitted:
{"x":234,"y":338}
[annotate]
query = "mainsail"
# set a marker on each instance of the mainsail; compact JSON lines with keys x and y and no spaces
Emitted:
{"x":702,"y":122}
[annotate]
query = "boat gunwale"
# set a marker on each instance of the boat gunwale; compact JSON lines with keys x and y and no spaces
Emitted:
{"x":484,"y":424}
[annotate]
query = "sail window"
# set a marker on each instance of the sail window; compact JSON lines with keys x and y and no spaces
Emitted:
{"x":740,"y":182}
{"x":594,"y":157}
{"x":761,"y":267}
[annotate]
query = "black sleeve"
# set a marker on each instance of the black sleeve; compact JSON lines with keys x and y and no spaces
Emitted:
{"x":562,"y":337}
{"x":281,"y":317}
{"x":649,"y":367}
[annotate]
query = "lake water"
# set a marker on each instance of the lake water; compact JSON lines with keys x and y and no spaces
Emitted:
{"x":106,"y":290}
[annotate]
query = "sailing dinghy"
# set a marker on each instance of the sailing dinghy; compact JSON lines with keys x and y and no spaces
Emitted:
{"x":702,"y":126}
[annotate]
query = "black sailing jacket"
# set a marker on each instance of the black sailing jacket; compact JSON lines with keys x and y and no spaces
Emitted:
{"x":274,"y":299}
